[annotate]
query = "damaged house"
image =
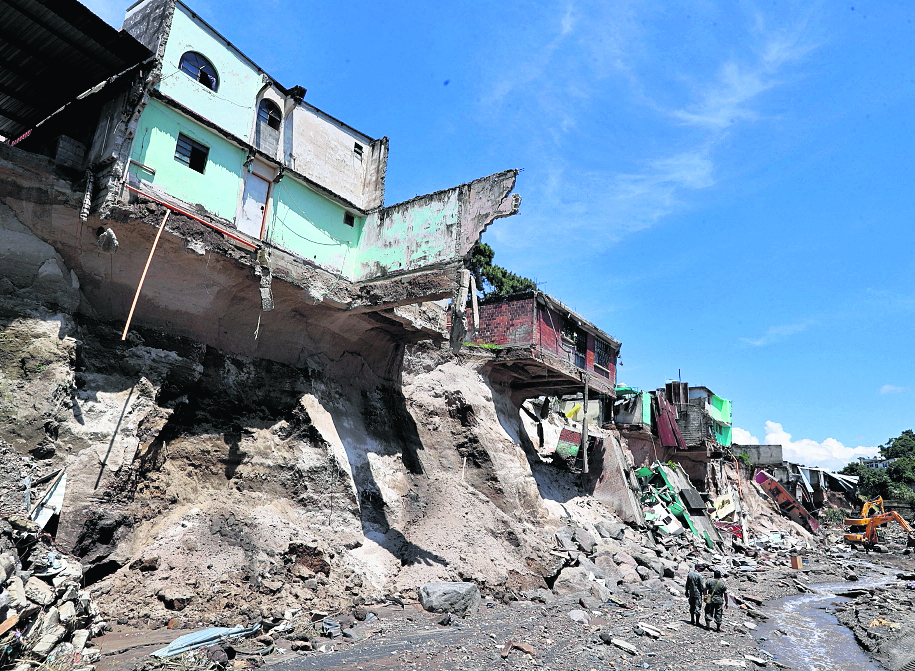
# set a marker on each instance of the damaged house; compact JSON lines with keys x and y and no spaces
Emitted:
{"x":543,"y":348}
{"x":277,"y":208}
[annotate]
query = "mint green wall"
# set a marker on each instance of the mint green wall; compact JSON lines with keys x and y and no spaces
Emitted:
{"x":216,"y":189}
{"x":311,"y":226}
{"x":231,"y":107}
{"x":411,"y":235}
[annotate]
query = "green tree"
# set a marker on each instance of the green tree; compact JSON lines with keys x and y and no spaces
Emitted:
{"x":493,"y":280}
{"x":902,"y":445}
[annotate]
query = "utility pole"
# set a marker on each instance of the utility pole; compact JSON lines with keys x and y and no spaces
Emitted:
{"x":584,"y":434}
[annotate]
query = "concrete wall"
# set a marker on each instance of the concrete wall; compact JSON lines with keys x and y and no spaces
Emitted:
{"x":216,"y":189}
{"x":310,"y":226}
{"x":234,"y":104}
{"x":323,"y":150}
{"x":760,"y":455}
{"x":441,"y":227}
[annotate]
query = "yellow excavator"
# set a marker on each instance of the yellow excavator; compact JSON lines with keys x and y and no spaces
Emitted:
{"x":864,"y":529}
{"x":866,"y":510}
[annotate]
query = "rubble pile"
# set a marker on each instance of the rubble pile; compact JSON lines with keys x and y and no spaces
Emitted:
{"x":46,"y":618}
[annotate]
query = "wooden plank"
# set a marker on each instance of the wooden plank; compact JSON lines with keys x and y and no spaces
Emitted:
{"x":143,"y":276}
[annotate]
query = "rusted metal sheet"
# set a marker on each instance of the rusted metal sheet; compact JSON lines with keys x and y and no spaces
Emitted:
{"x":786,"y":503}
{"x":668,"y":431}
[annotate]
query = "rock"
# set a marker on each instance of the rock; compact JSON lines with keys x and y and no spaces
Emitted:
{"x":652,"y":563}
{"x":579,"y":616}
{"x":608,"y":529}
{"x":590,"y":603}
{"x":572,"y":580}
{"x":756,"y":660}
{"x":23,"y":523}
{"x":599,"y":591}
{"x":47,"y":642}
{"x":91,"y":655}
{"x":731,"y":662}
{"x":17,"y":593}
{"x":145,"y":564}
{"x":175,"y":598}
{"x":586,"y":541}
{"x":359,"y":633}
{"x":67,"y":612}
{"x":445,"y":620}
{"x":645,"y":573}
{"x":38,"y":591}
{"x":79,"y":640}
{"x":622,"y":558}
{"x":460,"y":598}
{"x":619,"y":643}
{"x":49,"y":621}
{"x":628,"y":575}
{"x":851,"y":577}
{"x":905,"y":576}
{"x":564,"y":539}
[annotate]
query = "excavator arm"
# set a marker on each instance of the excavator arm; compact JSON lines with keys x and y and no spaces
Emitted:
{"x":869,"y":536}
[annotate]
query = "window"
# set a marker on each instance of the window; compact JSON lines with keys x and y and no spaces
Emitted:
{"x":568,"y":328}
{"x":191,"y":153}
{"x":199,"y":68}
{"x":603,"y":355}
{"x":269,"y":113}
{"x":357,"y":150}
{"x":349,"y":219}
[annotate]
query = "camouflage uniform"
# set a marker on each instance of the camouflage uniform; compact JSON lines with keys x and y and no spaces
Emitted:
{"x":714,"y":610}
{"x":695,"y":588}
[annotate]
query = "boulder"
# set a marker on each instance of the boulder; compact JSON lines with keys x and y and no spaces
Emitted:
{"x":590,"y":566}
{"x":585,"y":539}
{"x":564,"y":539}
{"x":645,"y":573}
{"x":80,"y":637}
{"x":17,"y":593}
{"x":622,"y":558}
{"x":650,"y":562}
{"x":8,"y":564}
{"x":608,"y":568}
{"x":608,"y":529}
{"x":67,"y":612}
{"x":580,"y":616}
{"x":47,"y":642}
{"x":573,"y":580}
{"x":628,"y":575}
{"x":459,"y":598}
{"x":38,"y":591}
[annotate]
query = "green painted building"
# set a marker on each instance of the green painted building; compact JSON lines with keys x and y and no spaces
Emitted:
{"x":221,"y":139}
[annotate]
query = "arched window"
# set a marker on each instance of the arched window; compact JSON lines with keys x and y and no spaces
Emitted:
{"x":199,"y":68}
{"x":269,"y":113}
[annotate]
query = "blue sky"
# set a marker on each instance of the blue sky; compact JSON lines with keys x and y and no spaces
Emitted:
{"x":725,"y":187}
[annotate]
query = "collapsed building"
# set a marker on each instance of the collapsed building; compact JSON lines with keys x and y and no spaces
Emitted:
{"x":225,"y":352}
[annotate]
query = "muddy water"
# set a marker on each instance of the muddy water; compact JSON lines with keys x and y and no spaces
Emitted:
{"x":813,"y":640}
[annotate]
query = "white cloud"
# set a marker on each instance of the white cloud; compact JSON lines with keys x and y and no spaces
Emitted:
{"x":778,"y":333}
{"x":829,"y":453}
{"x":743,"y":437}
{"x":893,"y":389}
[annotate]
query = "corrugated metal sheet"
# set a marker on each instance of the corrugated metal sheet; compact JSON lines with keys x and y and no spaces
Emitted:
{"x":50,"y":52}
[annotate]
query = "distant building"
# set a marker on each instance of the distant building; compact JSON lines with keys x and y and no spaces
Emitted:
{"x":878,"y":463}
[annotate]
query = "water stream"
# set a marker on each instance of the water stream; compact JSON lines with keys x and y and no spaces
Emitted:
{"x":813,"y":639}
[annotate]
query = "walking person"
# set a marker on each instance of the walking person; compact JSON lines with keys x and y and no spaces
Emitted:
{"x":716,"y":601}
{"x":695,"y":588}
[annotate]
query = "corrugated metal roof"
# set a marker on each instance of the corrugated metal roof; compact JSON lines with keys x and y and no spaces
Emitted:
{"x":50,"y":52}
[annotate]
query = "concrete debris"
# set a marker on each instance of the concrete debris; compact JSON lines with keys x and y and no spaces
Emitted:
{"x":40,"y":618}
{"x":459,"y":598}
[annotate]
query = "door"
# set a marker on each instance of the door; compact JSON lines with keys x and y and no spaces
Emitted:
{"x":253,"y":205}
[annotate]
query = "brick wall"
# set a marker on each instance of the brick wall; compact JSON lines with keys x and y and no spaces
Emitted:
{"x":508,"y":322}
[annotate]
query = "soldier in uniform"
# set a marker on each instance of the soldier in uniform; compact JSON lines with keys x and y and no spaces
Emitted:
{"x":695,"y":588}
{"x":717,"y":601}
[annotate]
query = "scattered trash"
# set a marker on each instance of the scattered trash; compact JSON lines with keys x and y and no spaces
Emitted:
{"x":205,"y":637}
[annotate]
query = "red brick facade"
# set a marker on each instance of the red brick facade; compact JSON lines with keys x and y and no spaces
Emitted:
{"x":522,"y":322}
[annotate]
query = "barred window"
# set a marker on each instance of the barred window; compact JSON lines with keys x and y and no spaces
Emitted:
{"x":569,"y":329}
{"x":602,"y":354}
{"x":191,"y":153}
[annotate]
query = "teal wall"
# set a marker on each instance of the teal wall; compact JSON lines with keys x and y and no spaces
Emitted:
{"x":312,"y":227}
{"x":411,"y":235}
{"x":231,"y":107}
{"x":216,"y":189}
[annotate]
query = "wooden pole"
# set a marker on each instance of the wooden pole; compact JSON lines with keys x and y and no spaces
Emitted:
{"x":473,"y":301}
{"x":584,"y":433}
{"x":143,"y":276}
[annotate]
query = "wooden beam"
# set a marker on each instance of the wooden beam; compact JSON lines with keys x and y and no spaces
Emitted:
{"x":584,"y":434}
